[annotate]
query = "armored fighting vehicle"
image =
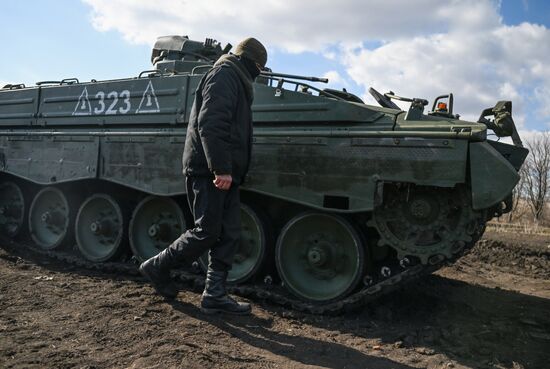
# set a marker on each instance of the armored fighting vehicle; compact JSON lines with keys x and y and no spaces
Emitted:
{"x":343,"y":199}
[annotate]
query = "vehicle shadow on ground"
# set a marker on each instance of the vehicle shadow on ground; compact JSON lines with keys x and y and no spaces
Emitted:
{"x":474,"y":325}
{"x":255,"y":331}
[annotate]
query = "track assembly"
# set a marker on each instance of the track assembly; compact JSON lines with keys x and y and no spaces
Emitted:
{"x":99,"y":228}
{"x":12,"y":209}
{"x":253,"y":249}
{"x":421,"y":222}
{"x":156,"y":222}
{"x":49,"y":218}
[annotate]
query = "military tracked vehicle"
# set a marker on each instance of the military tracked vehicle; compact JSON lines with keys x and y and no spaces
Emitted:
{"x":342,"y":199}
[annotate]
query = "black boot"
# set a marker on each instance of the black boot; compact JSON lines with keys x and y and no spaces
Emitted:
{"x":215,"y":298}
{"x":157,"y":271}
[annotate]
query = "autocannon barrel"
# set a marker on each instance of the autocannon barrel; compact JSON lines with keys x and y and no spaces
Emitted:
{"x":293,"y":76}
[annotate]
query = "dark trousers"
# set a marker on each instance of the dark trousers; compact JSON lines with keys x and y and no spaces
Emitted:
{"x":217,"y":227}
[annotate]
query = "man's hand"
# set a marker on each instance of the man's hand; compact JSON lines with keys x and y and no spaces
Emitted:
{"x":223,"y":181}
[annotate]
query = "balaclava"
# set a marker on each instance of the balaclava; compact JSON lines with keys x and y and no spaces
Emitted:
{"x":251,"y":52}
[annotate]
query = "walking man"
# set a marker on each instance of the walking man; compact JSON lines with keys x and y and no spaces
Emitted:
{"x":215,"y":161}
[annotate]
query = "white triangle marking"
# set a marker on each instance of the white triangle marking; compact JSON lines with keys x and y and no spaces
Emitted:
{"x":149,"y":102}
{"x":83,"y":106}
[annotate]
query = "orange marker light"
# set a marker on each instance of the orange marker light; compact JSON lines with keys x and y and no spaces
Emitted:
{"x":441,"y":106}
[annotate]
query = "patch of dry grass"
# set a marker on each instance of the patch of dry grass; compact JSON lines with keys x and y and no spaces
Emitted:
{"x":526,"y":228}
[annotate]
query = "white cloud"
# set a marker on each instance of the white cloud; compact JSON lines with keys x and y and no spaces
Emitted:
{"x":422,"y":48}
{"x":334,"y":77}
{"x":290,"y":25}
{"x":480,"y":68}
{"x":529,"y":135}
{"x":542,"y":94}
{"x":525,"y":135}
{"x":330,"y":55}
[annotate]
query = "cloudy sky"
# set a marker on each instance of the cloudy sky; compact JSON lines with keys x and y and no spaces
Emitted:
{"x":482,"y":51}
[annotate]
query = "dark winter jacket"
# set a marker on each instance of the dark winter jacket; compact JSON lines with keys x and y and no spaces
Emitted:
{"x":219,"y":134}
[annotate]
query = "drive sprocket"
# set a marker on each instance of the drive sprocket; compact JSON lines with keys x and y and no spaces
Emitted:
{"x":426,"y":222}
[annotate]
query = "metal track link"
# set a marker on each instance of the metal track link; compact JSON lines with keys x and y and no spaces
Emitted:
{"x":260,"y":292}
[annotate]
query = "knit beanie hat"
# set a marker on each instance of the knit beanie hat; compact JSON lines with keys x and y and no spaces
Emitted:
{"x":253,"y":50}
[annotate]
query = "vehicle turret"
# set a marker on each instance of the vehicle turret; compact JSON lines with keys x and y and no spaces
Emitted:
{"x":180,"y":54}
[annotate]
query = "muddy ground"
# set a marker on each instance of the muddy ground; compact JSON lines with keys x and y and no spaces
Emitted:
{"x":490,"y":310}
